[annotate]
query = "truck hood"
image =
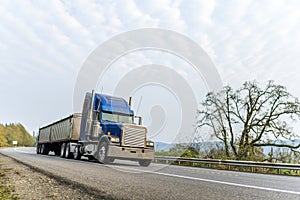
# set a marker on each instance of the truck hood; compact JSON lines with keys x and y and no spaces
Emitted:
{"x":114,"y":128}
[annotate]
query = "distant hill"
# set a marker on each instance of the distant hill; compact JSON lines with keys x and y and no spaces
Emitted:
{"x":15,"y":132}
{"x":161,"y":146}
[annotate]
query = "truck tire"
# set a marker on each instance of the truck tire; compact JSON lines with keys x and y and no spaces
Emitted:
{"x":38,"y":149}
{"x":63,"y":150}
{"x":44,"y":150}
{"x":144,"y":163}
{"x":77,"y":154}
{"x":68,"y":154}
{"x":102,"y":153}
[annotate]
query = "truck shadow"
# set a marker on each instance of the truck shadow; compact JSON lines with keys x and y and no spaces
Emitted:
{"x":117,"y":162}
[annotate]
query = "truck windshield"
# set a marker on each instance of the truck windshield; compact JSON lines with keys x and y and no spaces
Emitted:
{"x":113,"y":117}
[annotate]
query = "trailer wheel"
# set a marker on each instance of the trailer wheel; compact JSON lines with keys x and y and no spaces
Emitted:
{"x":144,"y":163}
{"x":102,"y":153}
{"x":62,"y":150}
{"x":38,"y":149}
{"x":77,"y":154}
{"x":44,"y":149}
{"x":68,"y":154}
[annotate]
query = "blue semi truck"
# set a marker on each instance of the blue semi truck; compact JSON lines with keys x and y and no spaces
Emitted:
{"x":105,"y":130}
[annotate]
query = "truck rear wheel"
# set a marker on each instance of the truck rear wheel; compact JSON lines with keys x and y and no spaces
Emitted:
{"x":144,"y":163}
{"x":62,"y":150}
{"x":102,"y":153}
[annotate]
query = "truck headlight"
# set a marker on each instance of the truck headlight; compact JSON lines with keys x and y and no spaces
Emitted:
{"x":115,"y":140}
{"x":150,"y":144}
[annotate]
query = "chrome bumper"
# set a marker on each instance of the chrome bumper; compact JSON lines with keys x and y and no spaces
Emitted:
{"x":130,"y":153}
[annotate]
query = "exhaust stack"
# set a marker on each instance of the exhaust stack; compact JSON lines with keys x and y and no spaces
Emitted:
{"x":130,"y":102}
{"x":89,"y":120}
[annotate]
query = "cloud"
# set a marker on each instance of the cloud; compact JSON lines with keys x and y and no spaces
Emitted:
{"x":43,"y":45}
{"x":166,"y":14}
{"x":256,"y":40}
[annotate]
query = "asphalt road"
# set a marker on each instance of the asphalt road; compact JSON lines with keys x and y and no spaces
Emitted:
{"x":127,"y":180}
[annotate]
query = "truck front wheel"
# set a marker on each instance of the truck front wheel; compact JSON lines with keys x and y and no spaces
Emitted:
{"x":102,"y":153}
{"x":144,"y":163}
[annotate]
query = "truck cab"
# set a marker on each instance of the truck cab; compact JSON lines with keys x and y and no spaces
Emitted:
{"x":108,"y":131}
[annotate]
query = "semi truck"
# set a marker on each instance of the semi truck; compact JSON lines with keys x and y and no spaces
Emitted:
{"x":107,"y":129}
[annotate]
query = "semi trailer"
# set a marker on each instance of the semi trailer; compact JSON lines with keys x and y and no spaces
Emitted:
{"x":107,"y":129}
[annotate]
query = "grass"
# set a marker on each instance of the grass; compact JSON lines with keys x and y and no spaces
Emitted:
{"x":7,"y":191}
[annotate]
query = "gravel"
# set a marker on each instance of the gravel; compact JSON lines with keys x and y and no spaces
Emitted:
{"x":33,"y":185}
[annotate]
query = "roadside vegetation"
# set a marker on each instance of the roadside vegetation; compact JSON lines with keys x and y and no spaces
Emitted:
{"x":15,"y":132}
{"x":7,"y":191}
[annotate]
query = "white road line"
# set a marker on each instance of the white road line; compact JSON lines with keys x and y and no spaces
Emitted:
{"x":211,"y":181}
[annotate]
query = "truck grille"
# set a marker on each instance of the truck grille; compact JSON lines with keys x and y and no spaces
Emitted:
{"x":134,"y":137}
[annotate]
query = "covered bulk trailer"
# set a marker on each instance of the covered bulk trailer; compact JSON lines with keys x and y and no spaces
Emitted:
{"x":57,"y":136}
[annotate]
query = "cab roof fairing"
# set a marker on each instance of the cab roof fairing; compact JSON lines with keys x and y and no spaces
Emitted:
{"x":111,"y":104}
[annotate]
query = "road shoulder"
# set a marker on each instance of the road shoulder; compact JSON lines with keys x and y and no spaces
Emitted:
{"x":25,"y":183}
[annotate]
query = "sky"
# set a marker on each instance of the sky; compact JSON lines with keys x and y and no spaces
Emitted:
{"x":44,"y":44}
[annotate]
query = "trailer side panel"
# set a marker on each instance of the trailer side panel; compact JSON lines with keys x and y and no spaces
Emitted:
{"x":66,"y":129}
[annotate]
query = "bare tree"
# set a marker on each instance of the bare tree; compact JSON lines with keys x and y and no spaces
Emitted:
{"x":251,"y":117}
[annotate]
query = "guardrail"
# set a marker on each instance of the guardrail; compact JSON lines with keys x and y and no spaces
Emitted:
{"x":229,"y":163}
